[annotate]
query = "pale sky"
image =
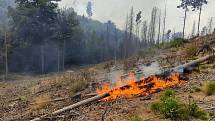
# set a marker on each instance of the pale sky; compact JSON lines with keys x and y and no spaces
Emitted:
{"x":116,"y":10}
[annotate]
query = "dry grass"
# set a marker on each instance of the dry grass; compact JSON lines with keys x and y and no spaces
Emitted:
{"x":41,"y":102}
{"x":209,"y":88}
{"x":191,"y":50}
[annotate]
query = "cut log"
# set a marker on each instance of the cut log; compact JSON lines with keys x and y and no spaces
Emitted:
{"x":93,"y":99}
{"x":192,"y":63}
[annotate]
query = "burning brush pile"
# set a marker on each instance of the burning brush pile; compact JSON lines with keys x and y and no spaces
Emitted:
{"x":132,"y":87}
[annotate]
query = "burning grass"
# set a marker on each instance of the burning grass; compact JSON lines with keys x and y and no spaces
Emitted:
{"x":143,"y":87}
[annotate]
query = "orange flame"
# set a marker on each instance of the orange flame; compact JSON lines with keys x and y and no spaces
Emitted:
{"x":143,"y":87}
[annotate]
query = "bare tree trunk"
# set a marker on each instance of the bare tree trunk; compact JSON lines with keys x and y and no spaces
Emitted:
{"x":164,"y":23}
{"x":42,"y":59}
{"x":210,"y":25}
{"x":115,"y":47}
{"x":159,"y":28}
{"x":185,"y":17}
{"x":6,"y":56}
{"x":193,"y":29}
{"x":58,"y":60}
{"x":153,"y":26}
{"x":130,"y":37}
{"x":200,"y":12}
{"x":64,"y":46}
{"x":125,"y":44}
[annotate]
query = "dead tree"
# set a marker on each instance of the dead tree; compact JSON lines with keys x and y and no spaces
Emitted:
{"x":144,"y":33}
{"x":193,"y":29}
{"x":6,"y":54}
{"x":159,"y":28}
{"x":153,"y":25}
{"x":164,"y":23}
{"x":210,"y":25}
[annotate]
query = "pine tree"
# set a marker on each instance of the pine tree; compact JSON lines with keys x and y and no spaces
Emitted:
{"x":34,"y":22}
{"x":89,"y":9}
{"x":197,"y":5}
{"x":184,"y":5}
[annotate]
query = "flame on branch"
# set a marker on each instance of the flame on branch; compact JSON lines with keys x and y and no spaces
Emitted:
{"x":143,"y":87}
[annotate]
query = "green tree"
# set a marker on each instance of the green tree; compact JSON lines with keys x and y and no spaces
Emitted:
{"x":197,"y":5}
{"x":33,"y":22}
{"x":185,"y":5}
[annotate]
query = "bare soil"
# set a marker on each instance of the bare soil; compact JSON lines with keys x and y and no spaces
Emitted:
{"x":28,"y":97}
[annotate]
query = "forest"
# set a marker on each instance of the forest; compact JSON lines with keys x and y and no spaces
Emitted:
{"x":107,"y":60}
{"x":39,"y":37}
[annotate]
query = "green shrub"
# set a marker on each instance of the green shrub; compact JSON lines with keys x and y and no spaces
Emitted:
{"x":211,"y":114}
{"x":209,"y":88}
{"x":195,"y":89}
{"x":169,"y":93}
{"x":146,"y":52}
{"x":195,"y":111}
{"x":135,"y":118}
{"x":170,"y":107}
{"x":177,"y":42}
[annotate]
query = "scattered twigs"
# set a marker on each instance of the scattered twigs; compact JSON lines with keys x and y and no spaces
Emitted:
{"x":54,"y":100}
{"x":212,"y":118}
{"x":209,"y":108}
{"x":103,"y":114}
{"x":151,"y":118}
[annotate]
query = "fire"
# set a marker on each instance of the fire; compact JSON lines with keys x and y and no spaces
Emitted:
{"x":143,"y":87}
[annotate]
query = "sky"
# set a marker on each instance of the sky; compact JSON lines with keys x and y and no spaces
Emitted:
{"x":116,"y":11}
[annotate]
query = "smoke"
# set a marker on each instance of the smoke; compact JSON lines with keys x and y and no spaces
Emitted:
{"x":115,"y":76}
{"x":151,"y":69}
{"x":116,"y":10}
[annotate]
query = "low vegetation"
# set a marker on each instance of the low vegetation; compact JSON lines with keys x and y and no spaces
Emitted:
{"x":145,"y":52}
{"x":191,"y":50}
{"x":170,"y":107}
{"x":209,"y":88}
{"x":176,"y":43}
{"x":195,"y":89}
{"x":136,"y":118}
{"x":41,"y":102}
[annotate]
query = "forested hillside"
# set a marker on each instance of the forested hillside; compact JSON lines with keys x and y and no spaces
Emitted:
{"x":40,"y":37}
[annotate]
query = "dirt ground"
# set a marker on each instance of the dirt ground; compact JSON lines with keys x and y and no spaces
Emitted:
{"x":29,"y":97}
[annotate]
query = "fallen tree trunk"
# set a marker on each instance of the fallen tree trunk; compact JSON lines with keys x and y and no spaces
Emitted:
{"x":102,"y":96}
{"x":93,"y":99}
{"x":192,"y":63}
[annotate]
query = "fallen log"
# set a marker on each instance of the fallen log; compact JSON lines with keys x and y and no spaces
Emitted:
{"x":181,"y":68}
{"x":95,"y":98}
{"x":102,"y":96}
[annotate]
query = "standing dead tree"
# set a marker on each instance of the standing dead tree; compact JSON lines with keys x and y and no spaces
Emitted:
{"x":138,"y":21}
{"x":159,"y":27}
{"x":6,"y":54}
{"x":164,"y":23}
{"x":144,"y":30}
{"x":152,"y":25}
{"x":210,"y":25}
{"x":193,"y":29}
